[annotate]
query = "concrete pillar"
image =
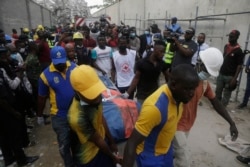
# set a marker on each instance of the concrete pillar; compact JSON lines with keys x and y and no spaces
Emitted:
{"x":28,"y":13}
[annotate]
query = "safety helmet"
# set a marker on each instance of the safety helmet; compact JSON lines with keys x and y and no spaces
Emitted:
{"x":26,"y":30}
{"x":40,"y":27}
{"x":77,"y":35}
{"x":212,"y":59}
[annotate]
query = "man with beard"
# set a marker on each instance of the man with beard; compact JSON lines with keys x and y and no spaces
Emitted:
{"x":102,"y":57}
{"x":83,"y":54}
{"x":184,"y":48}
{"x":123,"y":66}
{"x":43,"y":49}
{"x":150,"y":141}
{"x":147,"y":72}
{"x":55,"y":83}
{"x":210,"y":62}
{"x":13,"y":129}
{"x":134,"y":41}
{"x":201,"y":47}
{"x":230,"y":69}
{"x":95,"y":146}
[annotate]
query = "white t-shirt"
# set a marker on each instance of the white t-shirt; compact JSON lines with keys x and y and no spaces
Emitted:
{"x":145,"y":53}
{"x":203,"y":47}
{"x":124,"y":65}
{"x":103,"y":59}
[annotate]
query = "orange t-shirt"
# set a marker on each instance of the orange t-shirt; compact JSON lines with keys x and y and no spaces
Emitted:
{"x":190,"y":109}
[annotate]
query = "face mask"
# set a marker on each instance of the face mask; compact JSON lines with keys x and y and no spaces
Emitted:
{"x":13,"y":56}
{"x":83,"y":103}
{"x":79,"y":46}
{"x":203,"y":75}
{"x":146,"y":32}
{"x":90,"y":108}
{"x":22,"y":50}
{"x":122,"y":48}
{"x":60,"y":67}
{"x":132,"y":35}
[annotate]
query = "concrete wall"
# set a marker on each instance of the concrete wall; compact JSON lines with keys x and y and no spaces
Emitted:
{"x":22,"y":13}
{"x":142,"y":13}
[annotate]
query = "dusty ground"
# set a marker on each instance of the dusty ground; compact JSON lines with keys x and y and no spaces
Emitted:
{"x":205,"y":150}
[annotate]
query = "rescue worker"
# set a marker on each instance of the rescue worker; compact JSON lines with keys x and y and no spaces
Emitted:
{"x":83,"y":54}
{"x":169,"y":51}
{"x":211,"y":61}
{"x":26,"y":31}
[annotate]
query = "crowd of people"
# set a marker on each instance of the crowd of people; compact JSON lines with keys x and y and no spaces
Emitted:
{"x":64,"y":65}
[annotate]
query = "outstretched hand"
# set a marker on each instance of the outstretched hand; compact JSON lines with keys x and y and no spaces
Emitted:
{"x":233,"y":132}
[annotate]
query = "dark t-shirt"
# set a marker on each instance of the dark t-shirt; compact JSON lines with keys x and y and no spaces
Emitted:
{"x":83,"y":56}
{"x":179,"y":58}
{"x":44,"y":52}
{"x":231,"y":61}
{"x":149,"y":78}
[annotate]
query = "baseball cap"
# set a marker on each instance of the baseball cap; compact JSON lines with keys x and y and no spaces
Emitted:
{"x":235,"y":33}
{"x":85,"y":80}
{"x":58,"y":55}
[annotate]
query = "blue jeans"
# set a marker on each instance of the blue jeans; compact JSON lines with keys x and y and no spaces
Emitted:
{"x":61,"y":127}
{"x":247,"y":91}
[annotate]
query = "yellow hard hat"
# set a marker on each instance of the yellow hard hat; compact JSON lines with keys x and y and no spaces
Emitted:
{"x":26,"y":30}
{"x":40,"y":27}
{"x":77,"y":35}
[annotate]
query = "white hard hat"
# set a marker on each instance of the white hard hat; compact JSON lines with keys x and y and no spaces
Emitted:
{"x":212,"y":59}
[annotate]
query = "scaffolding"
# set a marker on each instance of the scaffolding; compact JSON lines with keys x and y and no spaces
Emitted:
{"x":215,"y":17}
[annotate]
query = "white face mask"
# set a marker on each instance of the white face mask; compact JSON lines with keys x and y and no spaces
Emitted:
{"x":83,"y":103}
{"x":132,"y":35}
{"x":203,"y":75}
{"x":79,"y":46}
{"x":13,"y":56}
{"x":146,"y":32}
{"x":22,"y":50}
